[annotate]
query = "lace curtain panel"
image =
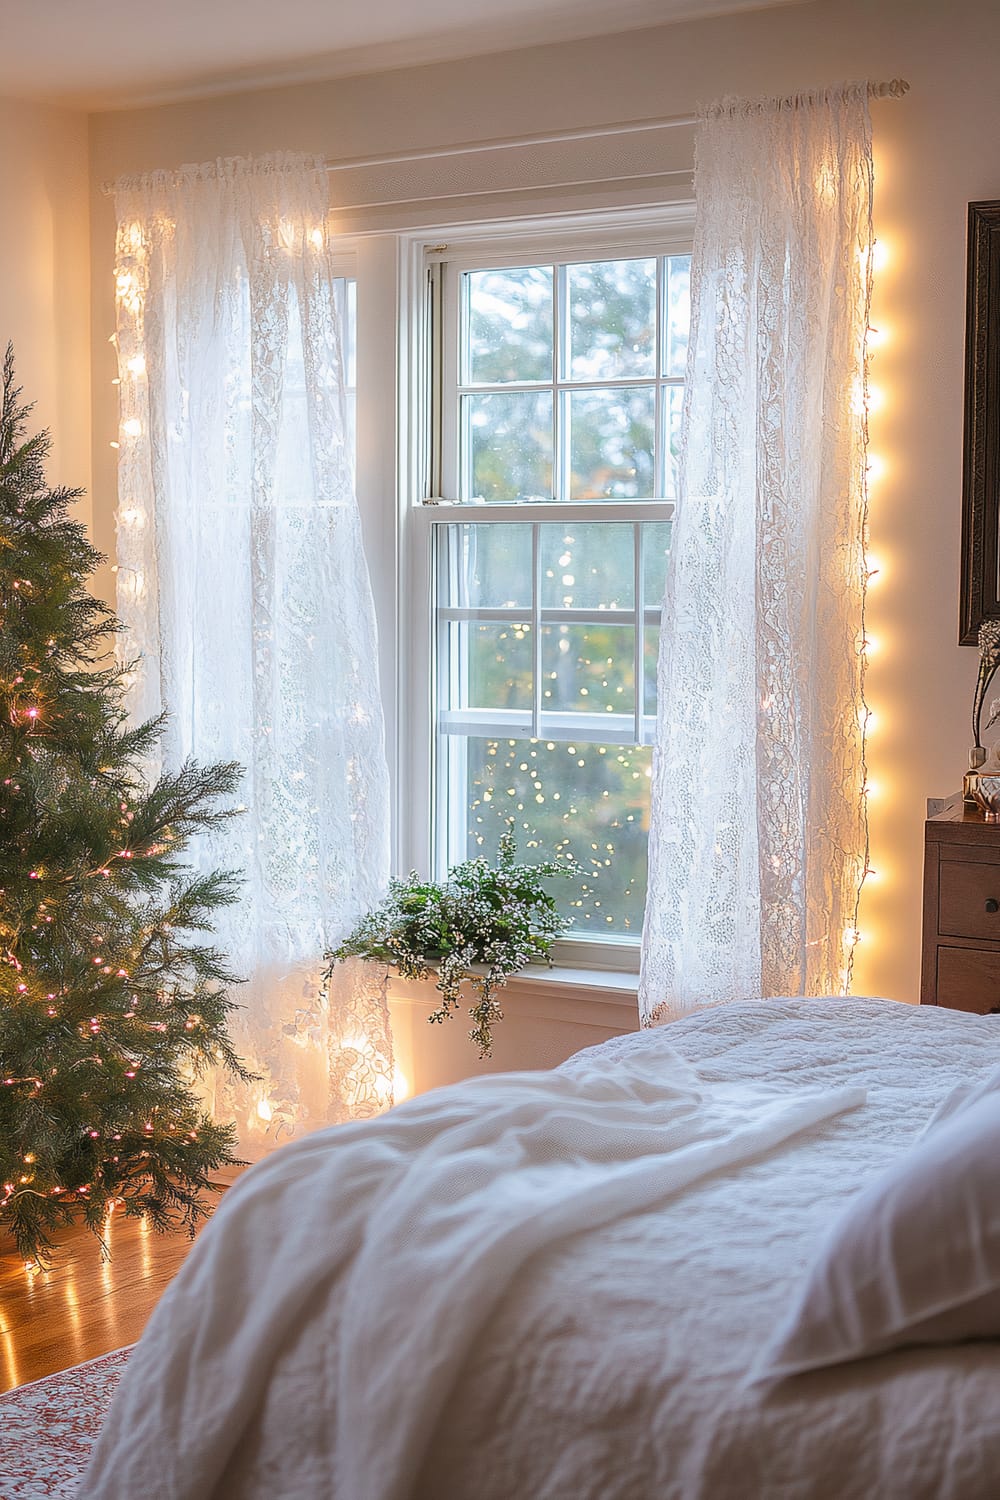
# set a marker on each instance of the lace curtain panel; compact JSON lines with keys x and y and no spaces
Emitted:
{"x":758,"y":837}
{"x":244,"y":590}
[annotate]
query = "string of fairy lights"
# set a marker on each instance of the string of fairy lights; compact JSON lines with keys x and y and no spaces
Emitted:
{"x":870,"y":399}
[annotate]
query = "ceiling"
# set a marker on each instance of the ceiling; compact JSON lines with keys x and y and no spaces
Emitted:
{"x":95,"y":54}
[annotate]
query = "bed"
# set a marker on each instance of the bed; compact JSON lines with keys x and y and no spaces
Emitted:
{"x":615,"y":1364}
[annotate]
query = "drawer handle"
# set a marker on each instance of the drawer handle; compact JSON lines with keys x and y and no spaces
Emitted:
{"x":992,"y":905}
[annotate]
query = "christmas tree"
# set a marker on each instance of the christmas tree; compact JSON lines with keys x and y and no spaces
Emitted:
{"x":111,"y":1001}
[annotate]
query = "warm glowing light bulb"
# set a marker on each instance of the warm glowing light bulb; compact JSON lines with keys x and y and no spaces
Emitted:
{"x":874,"y":468}
{"x":858,"y":402}
{"x":873,"y":257}
{"x":132,"y":427}
{"x":136,"y":365}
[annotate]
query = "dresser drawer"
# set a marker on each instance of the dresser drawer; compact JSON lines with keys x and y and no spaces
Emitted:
{"x":967,"y":891}
{"x":968,"y":979}
{"x":960,"y":954}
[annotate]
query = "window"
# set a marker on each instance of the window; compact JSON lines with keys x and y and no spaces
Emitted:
{"x":346,"y":292}
{"x":556,"y":419}
{"x":293,"y":439}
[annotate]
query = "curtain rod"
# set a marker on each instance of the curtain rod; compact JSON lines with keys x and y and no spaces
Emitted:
{"x":894,"y":88}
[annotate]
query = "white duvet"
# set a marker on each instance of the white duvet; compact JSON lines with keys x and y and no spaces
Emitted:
{"x":553,"y":1285}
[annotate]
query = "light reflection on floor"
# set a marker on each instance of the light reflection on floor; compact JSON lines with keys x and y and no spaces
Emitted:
{"x":86,"y":1304}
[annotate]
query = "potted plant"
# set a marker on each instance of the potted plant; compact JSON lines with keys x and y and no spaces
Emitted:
{"x":479,"y":926}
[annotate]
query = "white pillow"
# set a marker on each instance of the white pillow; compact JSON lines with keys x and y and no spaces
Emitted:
{"x":915,"y":1257}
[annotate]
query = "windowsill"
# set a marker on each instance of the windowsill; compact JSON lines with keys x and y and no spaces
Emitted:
{"x":592,"y":997}
{"x":595,"y":983}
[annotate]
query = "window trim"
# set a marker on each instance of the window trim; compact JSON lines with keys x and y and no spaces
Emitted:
{"x":658,"y":231}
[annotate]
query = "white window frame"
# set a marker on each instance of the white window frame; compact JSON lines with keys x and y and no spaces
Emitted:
{"x":606,"y":235}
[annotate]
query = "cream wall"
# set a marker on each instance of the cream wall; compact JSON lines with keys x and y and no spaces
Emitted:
{"x":44,"y":275}
{"x":936,"y":149}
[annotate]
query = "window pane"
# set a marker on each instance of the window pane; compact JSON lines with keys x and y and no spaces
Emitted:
{"x":510,"y":326}
{"x":677,"y":273}
{"x":673,"y":402}
{"x":612,"y":319}
{"x":655,"y":550}
{"x":485,"y":567}
{"x":346,"y":294}
{"x":611,"y":443}
{"x":294,"y":479}
{"x":590,"y":802}
{"x":650,"y":655}
{"x":589,"y":565}
{"x":509,"y":443}
{"x":499,"y":662}
{"x":588,"y":668}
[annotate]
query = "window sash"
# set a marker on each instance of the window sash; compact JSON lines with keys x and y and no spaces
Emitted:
{"x":428,"y":472}
{"x":450,"y":448}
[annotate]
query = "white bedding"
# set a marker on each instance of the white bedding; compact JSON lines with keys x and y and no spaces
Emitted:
{"x":613,"y":1365}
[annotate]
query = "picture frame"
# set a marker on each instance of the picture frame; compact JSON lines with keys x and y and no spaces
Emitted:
{"x":980,"y":583}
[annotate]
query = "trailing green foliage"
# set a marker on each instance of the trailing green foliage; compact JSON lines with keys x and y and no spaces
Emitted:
{"x":497,"y":916}
{"x":110,"y":1001}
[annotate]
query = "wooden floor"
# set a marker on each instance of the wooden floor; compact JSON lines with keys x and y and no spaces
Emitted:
{"x":84,"y":1306}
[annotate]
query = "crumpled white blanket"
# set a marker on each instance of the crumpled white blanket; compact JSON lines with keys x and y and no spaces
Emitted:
{"x":417,"y":1222}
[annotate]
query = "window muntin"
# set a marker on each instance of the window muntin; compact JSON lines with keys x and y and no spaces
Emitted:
{"x":565,"y":392}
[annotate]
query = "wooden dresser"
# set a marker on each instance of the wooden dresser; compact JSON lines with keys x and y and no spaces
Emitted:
{"x":960,"y":964}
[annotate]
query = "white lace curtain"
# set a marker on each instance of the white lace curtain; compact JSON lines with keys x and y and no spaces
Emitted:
{"x":244,"y":589}
{"x":758,"y":836}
